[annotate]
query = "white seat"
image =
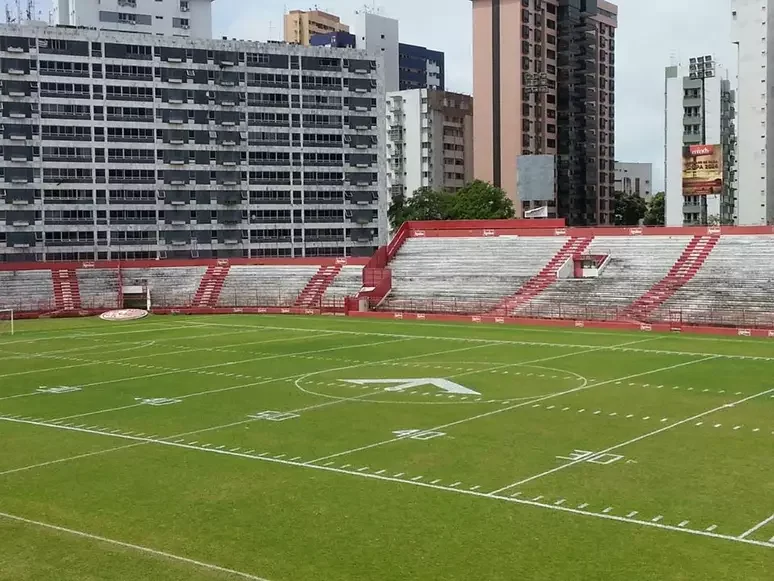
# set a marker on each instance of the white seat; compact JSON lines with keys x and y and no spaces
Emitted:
{"x":465,"y":275}
{"x":169,"y":287}
{"x":264,"y":286}
{"x":27,"y":290}
{"x":636,"y":264}
{"x":98,"y":288}
{"x":733,"y":286}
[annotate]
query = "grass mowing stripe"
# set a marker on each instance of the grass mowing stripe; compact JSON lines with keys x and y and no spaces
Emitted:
{"x":132,"y":546}
{"x":502,"y":341}
{"x":452,"y":488}
{"x":213,"y":366}
{"x":642,"y":437}
{"x":508,"y":408}
{"x":58,"y":336}
{"x":89,"y":362}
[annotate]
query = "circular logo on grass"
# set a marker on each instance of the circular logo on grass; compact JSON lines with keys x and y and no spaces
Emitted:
{"x":440,"y":383}
{"x":124,"y":315}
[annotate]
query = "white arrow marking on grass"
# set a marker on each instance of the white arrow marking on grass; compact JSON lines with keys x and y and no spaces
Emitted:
{"x":404,"y":384}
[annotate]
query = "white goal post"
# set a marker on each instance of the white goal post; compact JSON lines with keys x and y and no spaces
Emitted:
{"x":6,"y":321}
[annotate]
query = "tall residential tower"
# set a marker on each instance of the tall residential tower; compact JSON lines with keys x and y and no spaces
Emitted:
{"x":543,"y":77}
{"x":753,"y":34}
{"x":699,"y":111}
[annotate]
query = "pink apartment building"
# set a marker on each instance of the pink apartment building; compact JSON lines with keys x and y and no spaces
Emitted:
{"x":543,"y":81}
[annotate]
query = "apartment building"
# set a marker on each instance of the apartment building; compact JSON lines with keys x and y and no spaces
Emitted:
{"x":752,"y":29}
{"x":429,"y":140}
{"x":302,"y":25}
{"x":632,"y":178}
{"x":420,"y":68}
{"x":187,"y":18}
{"x":121,"y":145}
{"x":544,"y":80}
{"x":699,"y":109}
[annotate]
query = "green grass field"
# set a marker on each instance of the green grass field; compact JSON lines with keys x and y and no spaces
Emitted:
{"x":334,"y":449}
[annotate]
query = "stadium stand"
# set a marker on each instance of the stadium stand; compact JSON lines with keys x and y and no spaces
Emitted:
{"x":733,"y":287}
{"x":635,"y":265}
{"x":474,"y":277}
{"x":27,"y":290}
{"x":311,"y":295}
{"x":266,"y":286}
{"x":494,"y":271}
{"x":169,"y":287}
{"x":346,"y":284}
{"x":99,"y":288}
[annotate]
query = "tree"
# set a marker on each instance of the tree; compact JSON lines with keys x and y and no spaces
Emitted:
{"x":629,"y":209}
{"x":424,"y":204}
{"x":476,"y":201}
{"x":480,"y":200}
{"x":656,"y":214}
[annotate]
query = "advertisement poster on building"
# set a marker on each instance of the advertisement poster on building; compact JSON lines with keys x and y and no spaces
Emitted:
{"x":702,"y":170}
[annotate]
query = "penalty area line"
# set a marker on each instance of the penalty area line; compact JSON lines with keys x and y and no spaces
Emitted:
{"x":132,"y":546}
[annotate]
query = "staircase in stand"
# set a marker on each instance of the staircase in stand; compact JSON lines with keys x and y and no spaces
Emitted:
{"x":314,"y":290}
{"x":208,"y":293}
{"x":546,"y":277}
{"x":683,"y":270}
{"x":66,"y":294}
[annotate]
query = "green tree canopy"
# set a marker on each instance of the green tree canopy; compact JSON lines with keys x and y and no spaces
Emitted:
{"x":629,"y":209}
{"x":476,"y":201}
{"x":656,"y":213}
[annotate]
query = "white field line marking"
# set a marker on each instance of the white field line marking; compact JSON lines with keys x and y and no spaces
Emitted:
{"x":120,"y":348}
{"x":54,"y":423}
{"x":640,"y":438}
{"x":125,"y":344}
{"x":508,"y":342}
{"x":132,"y":546}
{"x":216,"y":365}
{"x":452,"y":488}
{"x":518,"y":405}
{"x":760,"y":525}
{"x":544,"y":330}
{"x":70,"y":458}
{"x":278,"y":379}
{"x":146,"y":356}
{"x":158,"y":327}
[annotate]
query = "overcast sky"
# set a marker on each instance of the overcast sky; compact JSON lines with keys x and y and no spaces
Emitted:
{"x":651,"y":34}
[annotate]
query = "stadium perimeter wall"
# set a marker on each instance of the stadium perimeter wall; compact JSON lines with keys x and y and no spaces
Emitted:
{"x":376,"y":273}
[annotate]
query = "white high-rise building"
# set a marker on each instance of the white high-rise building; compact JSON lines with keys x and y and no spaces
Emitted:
{"x":143,"y":146}
{"x":379,"y":36}
{"x":188,"y":18}
{"x":753,"y":33}
{"x":699,"y":110}
{"x":429,"y":141}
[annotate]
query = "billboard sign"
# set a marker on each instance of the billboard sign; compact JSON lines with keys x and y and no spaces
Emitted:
{"x":702,"y":169}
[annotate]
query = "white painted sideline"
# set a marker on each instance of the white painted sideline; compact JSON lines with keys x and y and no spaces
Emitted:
{"x":138,"y":548}
{"x":637,"y":439}
{"x":89,"y":362}
{"x":499,"y":341}
{"x":78,"y":335}
{"x":515,"y":406}
{"x":760,"y":525}
{"x":513,"y":500}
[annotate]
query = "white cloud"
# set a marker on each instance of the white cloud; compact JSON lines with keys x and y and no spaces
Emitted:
{"x":650,"y":35}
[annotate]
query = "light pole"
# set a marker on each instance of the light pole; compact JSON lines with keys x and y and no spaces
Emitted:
{"x":702,"y":68}
{"x":537,"y":84}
